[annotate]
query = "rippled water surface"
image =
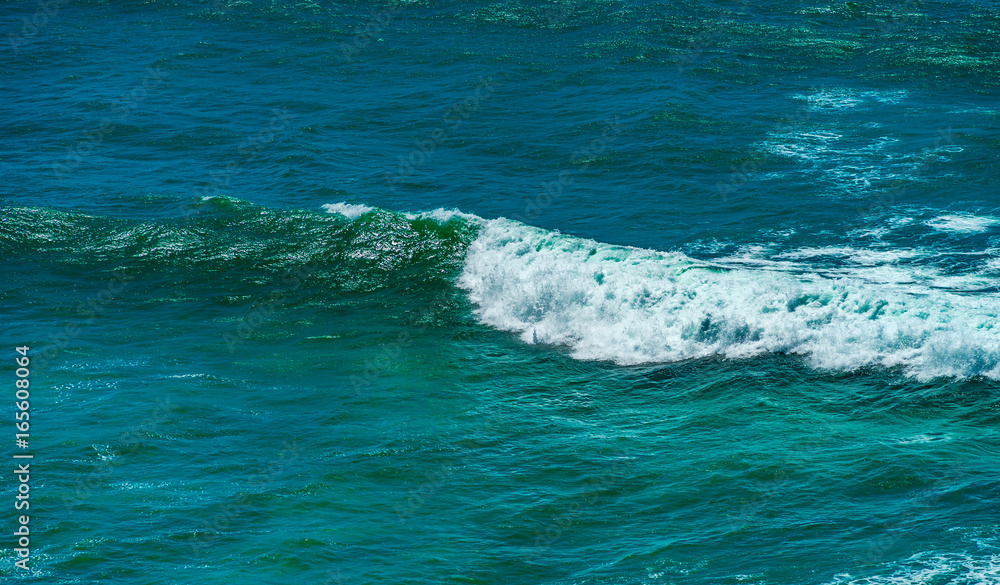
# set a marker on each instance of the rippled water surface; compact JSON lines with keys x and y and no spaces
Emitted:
{"x":605,"y":292}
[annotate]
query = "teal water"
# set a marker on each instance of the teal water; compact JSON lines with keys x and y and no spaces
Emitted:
{"x":521,"y":292}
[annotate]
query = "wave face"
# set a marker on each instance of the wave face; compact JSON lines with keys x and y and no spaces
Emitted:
{"x":842,"y":308}
{"x":239,"y":264}
{"x":231,"y":244}
{"x":635,"y":306}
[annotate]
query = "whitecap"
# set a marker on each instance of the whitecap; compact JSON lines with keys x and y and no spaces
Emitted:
{"x":963,"y":223}
{"x":348,"y":210}
{"x":633,"y":306}
{"x":930,"y":569}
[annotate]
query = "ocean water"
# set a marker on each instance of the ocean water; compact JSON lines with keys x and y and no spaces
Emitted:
{"x":505,"y":292}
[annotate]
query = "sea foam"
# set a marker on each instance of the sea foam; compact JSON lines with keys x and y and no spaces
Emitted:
{"x":634,"y":306}
{"x":962,"y":223}
{"x":931,"y":568}
{"x":348,"y":210}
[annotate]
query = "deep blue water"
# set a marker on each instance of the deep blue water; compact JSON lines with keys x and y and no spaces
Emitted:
{"x":606,"y":292}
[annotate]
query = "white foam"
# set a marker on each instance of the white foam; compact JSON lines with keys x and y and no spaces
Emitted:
{"x":872,"y":266}
{"x":442,"y":215}
{"x":802,"y":145}
{"x":932,"y":569}
{"x":858,"y":255}
{"x":851,"y":164}
{"x":962,"y":223}
{"x":348,"y":210}
{"x":846,"y":98}
{"x":634,"y":306}
{"x":923,"y":438}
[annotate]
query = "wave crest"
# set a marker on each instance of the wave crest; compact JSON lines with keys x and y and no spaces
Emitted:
{"x":633,"y":306}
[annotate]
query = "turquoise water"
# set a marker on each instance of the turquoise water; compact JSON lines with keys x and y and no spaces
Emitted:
{"x":519,"y":292}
